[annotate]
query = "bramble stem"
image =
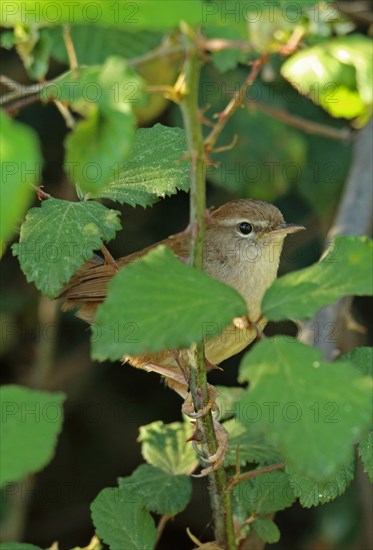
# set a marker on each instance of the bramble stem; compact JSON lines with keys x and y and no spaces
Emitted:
{"x":236,"y":101}
{"x":219,"y":496}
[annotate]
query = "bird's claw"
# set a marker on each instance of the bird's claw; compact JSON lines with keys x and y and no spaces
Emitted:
{"x":245,"y":323}
{"x":188,"y":406}
{"x":216,"y":460}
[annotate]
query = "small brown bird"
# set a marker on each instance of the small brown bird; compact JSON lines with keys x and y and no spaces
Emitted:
{"x":242,"y":247}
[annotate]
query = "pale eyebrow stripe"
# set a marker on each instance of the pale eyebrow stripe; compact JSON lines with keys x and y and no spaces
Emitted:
{"x":260,"y":223}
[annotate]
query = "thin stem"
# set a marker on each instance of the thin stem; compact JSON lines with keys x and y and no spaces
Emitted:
{"x":66,"y":114}
{"x":293,"y":42}
{"x":160,"y":527}
{"x":70,"y":49}
{"x":220,"y":498}
{"x":157,"y":53}
{"x":239,"y":478}
{"x":236,"y":101}
{"x":20,"y":103}
{"x":307,"y":126}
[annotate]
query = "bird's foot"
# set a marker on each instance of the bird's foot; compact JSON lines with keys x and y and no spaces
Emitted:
{"x":216,"y":460}
{"x":245,"y":323}
{"x":188,"y":406}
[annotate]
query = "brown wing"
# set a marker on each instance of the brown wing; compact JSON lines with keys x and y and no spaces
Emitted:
{"x":88,"y":286}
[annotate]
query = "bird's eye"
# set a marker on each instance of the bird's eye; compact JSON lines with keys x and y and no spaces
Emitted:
{"x":245,"y":228}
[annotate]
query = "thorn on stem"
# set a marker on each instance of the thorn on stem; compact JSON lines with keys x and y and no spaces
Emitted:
{"x":40,"y":193}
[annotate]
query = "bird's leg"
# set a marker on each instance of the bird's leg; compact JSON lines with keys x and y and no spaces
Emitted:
{"x":216,"y":460}
{"x":188,"y":406}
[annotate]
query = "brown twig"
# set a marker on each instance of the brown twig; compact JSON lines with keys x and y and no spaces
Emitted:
{"x":160,"y":527}
{"x":294,"y":41}
{"x":253,"y":473}
{"x":157,"y":53}
{"x":236,"y":101}
{"x":17,"y":89}
{"x":20,"y":103}
{"x":307,"y":126}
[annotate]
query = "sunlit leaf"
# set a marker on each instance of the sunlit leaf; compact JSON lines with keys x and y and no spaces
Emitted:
{"x":312,"y":410}
{"x":155,"y":169}
{"x":164,"y":446}
{"x":20,"y":168}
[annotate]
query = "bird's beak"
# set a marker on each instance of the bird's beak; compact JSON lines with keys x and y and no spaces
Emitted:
{"x":286,"y":228}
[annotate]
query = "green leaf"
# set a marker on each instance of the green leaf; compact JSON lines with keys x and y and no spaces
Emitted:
{"x":228,"y":58}
{"x":113,"y":86}
{"x":18,"y":546}
{"x":93,"y":43}
{"x":121,"y":523}
{"x":20,"y":167}
{"x":312,"y":410}
{"x":96,"y":145}
{"x":356,"y":50}
{"x":167,"y":301}
{"x":106,"y":95}
{"x":336,"y":75}
{"x":251,"y":447}
{"x":271,"y":30}
{"x":366,"y":454}
{"x":164,"y":446}
{"x":31,"y":422}
{"x":362,"y":359}
{"x":265,"y":494}
{"x":33,"y":47}
{"x":346,"y":270}
{"x":148,"y":14}
{"x":39,"y":63}
{"x":161,"y":492}
{"x":154,"y":170}
{"x":266,"y":529}
{"x":57,"y":238}
{"x":313,"y":493}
